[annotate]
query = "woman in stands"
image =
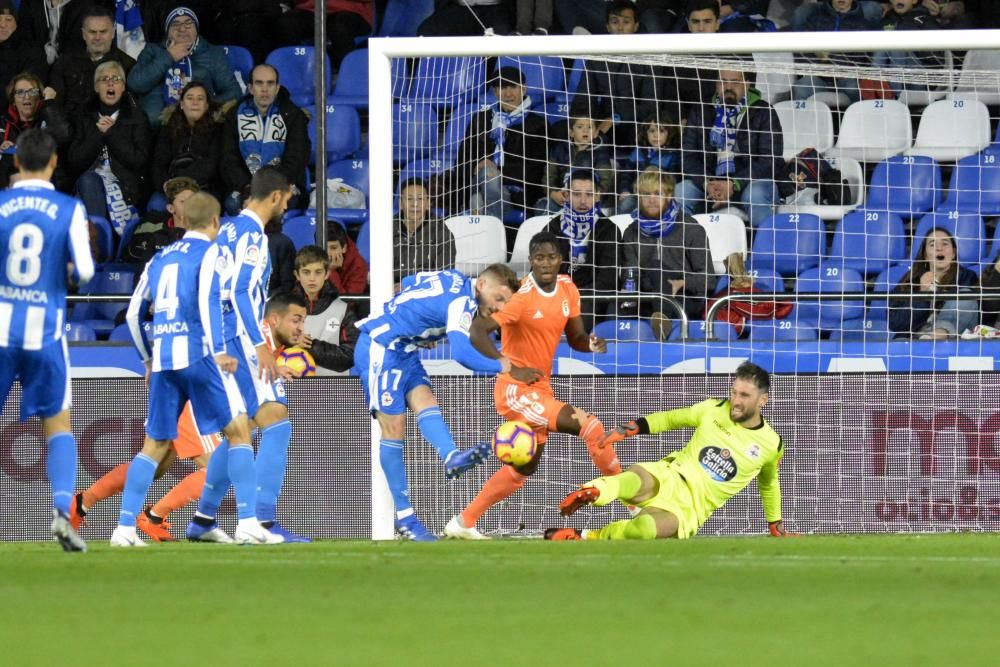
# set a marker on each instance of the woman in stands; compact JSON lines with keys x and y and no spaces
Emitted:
{"x":927,"y":304}
{"x":26,"y":109}
{"x":190,"y":140}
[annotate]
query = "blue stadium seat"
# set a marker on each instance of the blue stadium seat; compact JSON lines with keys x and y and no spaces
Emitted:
{"x":781,"y":330}
{"x":869,"y":241}
{"x":240,"y":61}
{"x":126,"y":237}
{"x":723,"y":331}
{"x":414,"y":131}
{"x":121,"y":334}
{"x":866,"y":330}
{"x":447,"y":81}
{"x":975,"y":185}
{"x":788,"y":243}
{"x":967,"y":228}
{"x":354,"y":172}
{"x":352,"y":80}
{"x":544,"y":76}
{"x":76,"y":332}
{"x":112,"y":279}
{"x":343,"y":131}
{"x":454,"y":131}
{"x":763,"y":278}
{"x":105,"y":237}
{"x":885,"y":282}
{"x":422,"y":169}
{"x":833,"y":279}
{"x":625,"y":331}
{"x":296,"y":67}
{"x":906,"y":185}
{"x":401,"y":18}
{"x":364,"y":241}
{"x":301,"y":230}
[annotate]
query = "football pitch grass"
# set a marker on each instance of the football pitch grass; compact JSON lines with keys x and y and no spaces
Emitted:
{"x":835,"y":600}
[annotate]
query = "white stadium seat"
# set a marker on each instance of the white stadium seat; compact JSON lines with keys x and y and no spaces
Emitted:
{"x":872,"y":130}
{"x":805,"y":124}
{"x":952,"y":129}
{"x":480,"y":240}
{"x":726,"y":234}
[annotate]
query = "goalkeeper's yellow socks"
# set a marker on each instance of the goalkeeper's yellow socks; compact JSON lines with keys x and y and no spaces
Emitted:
{"x":642,"y":527}
{"x":623,"y":486}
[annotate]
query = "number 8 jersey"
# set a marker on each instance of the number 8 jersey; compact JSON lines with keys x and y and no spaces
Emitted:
{"x":41,"y":231}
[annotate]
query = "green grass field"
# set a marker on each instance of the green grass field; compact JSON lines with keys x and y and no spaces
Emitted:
{"x":846,"y":600}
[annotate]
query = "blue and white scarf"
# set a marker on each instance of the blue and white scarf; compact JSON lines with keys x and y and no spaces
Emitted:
{"x":658,"y":228}
{"x":262,"y":140}
{"x":128,"y":27}
{"x":178,"y":75}
{"x":503,"y":120}
{"x":120,"y":211}
{"x":723,"y":134}
{"x":577,"y":228}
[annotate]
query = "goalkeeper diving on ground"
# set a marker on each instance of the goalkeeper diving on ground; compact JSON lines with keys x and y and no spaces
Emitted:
{"x":732,"y":444}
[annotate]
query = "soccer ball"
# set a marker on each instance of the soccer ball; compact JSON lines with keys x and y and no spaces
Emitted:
{"x":514,"y":443}
{"x":299,"y":361}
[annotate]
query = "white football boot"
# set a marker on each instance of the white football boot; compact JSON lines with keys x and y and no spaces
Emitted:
{"x":249,"y":531}
{"x":125,"y":536}
{"x":455,"y":530}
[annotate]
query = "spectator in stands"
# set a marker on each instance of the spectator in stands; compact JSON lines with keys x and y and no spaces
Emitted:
{"x":466,"y":17}
{"x":163,"y":70}
{"x":420,"y":241}
{"x":581,"y":17}
{"x":330,"y":333}
{"x":346,"y":20}
{"x":732,"y":151}
{"x":834,"y":16}
{"x":282,"y":252}
{"x":591,"y":246}
{"x":908,"y":15}
{"x":695,"y":86}
{"x":57,"y":23}
{"x":659,"y":147}
{"x":927,"y":303}
{"x":265,"y":128}
{"x":990,"y":281}
{"x":161,"y":228}
{"x":71,"y":82}
{"x":25,"y":110}
{"x":502,"y":158}
{"x":534,"y":17}
{"x":190,"y":140}
{"x":671,"y":252}
{"x":111,"y":149}
{"x":951,"y":14}
{"x":585,"y":149}
{"x":659,"y":16}
{"x":18,"y":53}
{"x":348,"y":269}
{"x":744,"y":16}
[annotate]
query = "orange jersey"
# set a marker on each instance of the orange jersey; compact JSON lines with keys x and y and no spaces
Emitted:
{"x":189,"y":442}
{"x":533,"y":321}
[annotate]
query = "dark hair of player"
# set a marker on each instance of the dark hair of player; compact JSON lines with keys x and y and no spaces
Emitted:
{"x":34,"y":149}
{"x":311,"y":254}
{"x":755,"y":374}
{"x":200,"y":209}
{"x":280,"y":302}
{"x":504,"y":274}
{"x":267,"y":180}
{"x":540,"y":239}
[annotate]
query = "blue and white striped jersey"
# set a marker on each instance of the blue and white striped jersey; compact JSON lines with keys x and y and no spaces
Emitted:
{"x":182,"y":283}
{"x":244,"y":290}
{"x":41,"y":231}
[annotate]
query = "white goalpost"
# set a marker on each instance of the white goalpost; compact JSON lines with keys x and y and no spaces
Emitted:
{"x":878,"y":426}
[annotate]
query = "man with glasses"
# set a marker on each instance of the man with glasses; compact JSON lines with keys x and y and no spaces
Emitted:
{"x":18,"y":54}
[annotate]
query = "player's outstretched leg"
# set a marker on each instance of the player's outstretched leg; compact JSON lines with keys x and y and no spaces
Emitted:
{"x":243,"y":473}
{"x":503,"y":484}
{"x":110,"y":484}
{"x":203,"y":527}
{"x":593,"y":434}
{"x":140,"y":477}
{"x":407,"y":523}
{"x":645,"y":526}
{"x":624,"y":486}
{"x":456,"y":461}
{"x":61,"y":467}
{"x":272,"y":463}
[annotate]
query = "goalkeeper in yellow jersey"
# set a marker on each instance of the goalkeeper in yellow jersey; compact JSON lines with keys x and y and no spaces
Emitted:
{"x":731,"y":445}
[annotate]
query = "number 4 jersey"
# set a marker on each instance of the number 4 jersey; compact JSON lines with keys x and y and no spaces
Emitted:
{"x":41,"y":231}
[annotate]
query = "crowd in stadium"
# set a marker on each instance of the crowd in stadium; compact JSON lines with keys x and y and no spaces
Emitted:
{"x":138,"y":136}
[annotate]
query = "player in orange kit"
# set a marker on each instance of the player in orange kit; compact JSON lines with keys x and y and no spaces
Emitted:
{"x":190,"y":445}
{"x":532,"y":323}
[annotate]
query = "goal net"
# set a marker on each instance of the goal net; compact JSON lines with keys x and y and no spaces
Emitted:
{"x":822,"y":204}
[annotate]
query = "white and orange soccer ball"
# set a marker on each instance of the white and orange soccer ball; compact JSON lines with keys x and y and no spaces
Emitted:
{"x":514,"y":443}
{"x":298,"y":360}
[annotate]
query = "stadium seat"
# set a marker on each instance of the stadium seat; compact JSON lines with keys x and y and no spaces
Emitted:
{"x":885,"y":282}
{"x":804,"y":124}
{"x":414,"y":131}
{"x":401,"y":18}
{"x":241,"y":62}
{"x":952,"y":129}
{"x":444,"y":82}
{"x":907,"y":185}
{"x":354,"y":172}
{"x":126,"y":237}
{"x":788,"y":329}
{"x":573,"y":78}
{"x":301,"y":230}
{"x":726,"y":234}
{"x":854,"y":175}
{"x":364,"y":241}
{"x":834,"y":99}
{"x":76,"y":332}
{"x":625,"y":331}
{"x":296,"y":67}
{"x":916,"y":97}
{"x":868,"y":241}
{"x":121,"y":334}
{"x":994,"y":249}
{"x":788,"y":243}
{"x":105,"y":237}
{"x":352,"y":80}
{"x":975,"y":185}
{"x":422,"y":169}
{"x":112,"y":279}
{"x":872,"y":130}
{"x":723,"y":331}
{"x":978,"y":64}
{"x":480,"y":240}
{"x":866,"y":330}
{"x":343,"y":131}
{"x":622,"y":221}
{"x":544,"y":76}
{"x":833,"y":279}
{"x":967,"y":228}
{"x":775,"y":77}
{"x":454,"y":131}
{"x":519,"y":254}
{"x":763,"y":279}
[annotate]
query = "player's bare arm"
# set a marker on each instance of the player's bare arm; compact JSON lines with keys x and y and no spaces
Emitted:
{"x":580,"y":340}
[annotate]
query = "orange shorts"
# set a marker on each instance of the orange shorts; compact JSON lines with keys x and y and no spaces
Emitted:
{"x":189,"y":442}
{"x":534,"y":404}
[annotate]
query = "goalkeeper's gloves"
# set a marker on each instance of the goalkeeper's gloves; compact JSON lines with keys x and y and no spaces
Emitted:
{"x":777,"y":529}
{"x":629,"y":430}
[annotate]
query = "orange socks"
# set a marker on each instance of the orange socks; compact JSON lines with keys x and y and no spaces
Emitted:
{"x":605,"y":459}
{"x":112,"y":483}
{"x":187,"y":491}
{"x":502,"y":484}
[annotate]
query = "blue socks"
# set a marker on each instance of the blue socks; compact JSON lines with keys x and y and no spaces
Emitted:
{"x":216,"y":482}
{"x":140,"y":476}
{"x":272,"y":461}
{"x":243,"y":473}
{"x":436,"y":432}
{"x":391,"y":457}
{"x":61,"y":466}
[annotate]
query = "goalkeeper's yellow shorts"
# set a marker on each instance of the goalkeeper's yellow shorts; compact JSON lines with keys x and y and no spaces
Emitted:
{"x":674,"y":496}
